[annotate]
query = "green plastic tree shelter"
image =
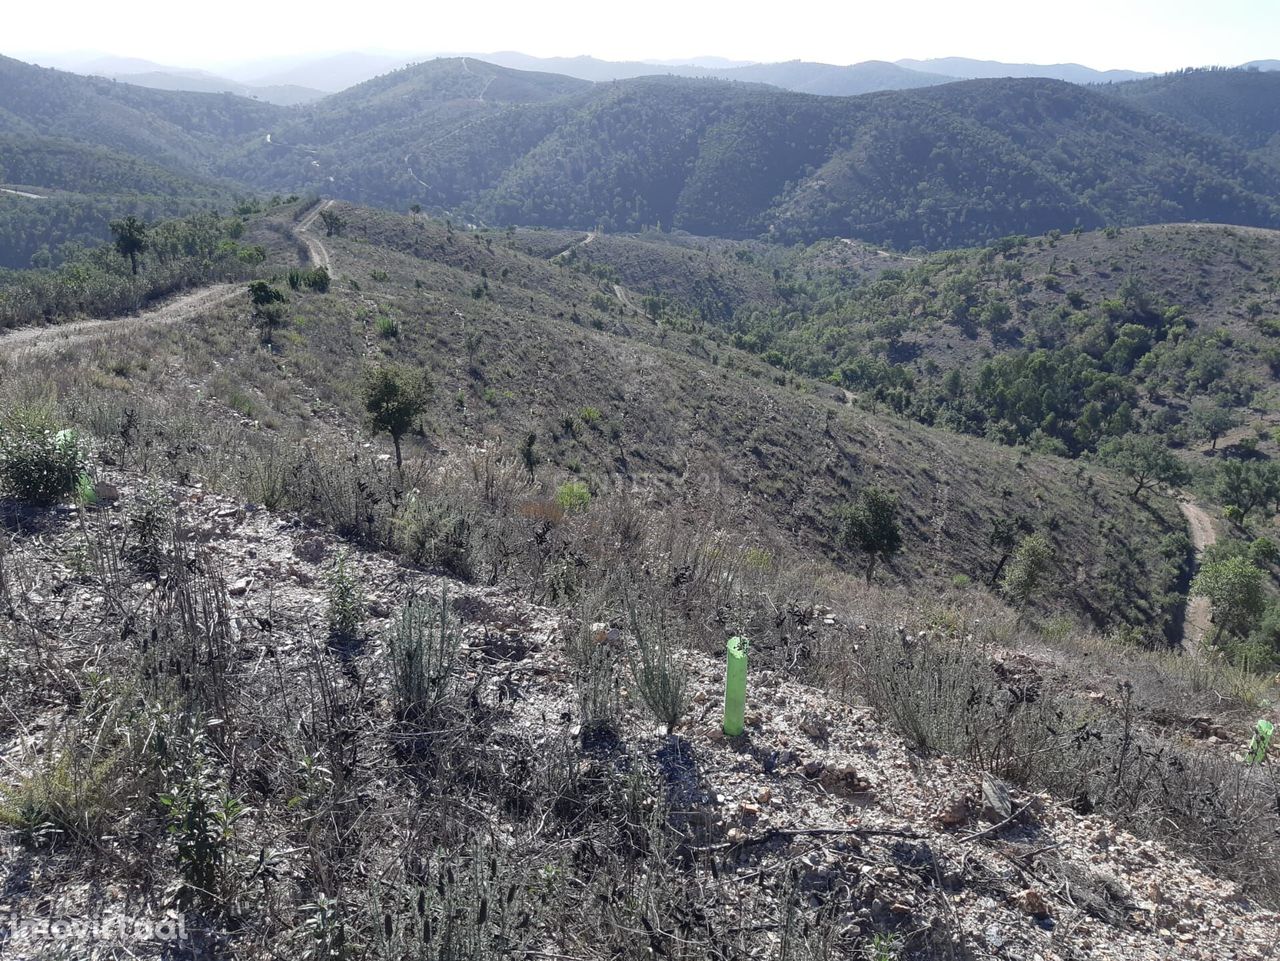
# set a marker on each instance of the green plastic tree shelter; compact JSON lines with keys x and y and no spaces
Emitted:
{"x":735,"y":686}
{"x":1262,"y":732}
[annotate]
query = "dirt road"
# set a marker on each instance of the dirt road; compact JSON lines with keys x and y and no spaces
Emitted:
{"x":34,"y":340}
{"x":22,"y":193}
{"x":591,"y":235}
{"x":1196,"y":623}
{"x":316,"y":249}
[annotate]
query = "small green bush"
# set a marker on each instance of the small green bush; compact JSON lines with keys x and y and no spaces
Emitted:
{"x":656,"y":671}
{"x":432,"y":532}
{"x":573,"y":496}
{"x":423,"y":653}
{"x":317,"y":280}
{"x":39,"y":463}
{"x":345,"y":605}
{"x":388,"y":328}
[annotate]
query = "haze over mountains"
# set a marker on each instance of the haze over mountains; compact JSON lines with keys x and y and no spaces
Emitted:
{"x":294,"y":80}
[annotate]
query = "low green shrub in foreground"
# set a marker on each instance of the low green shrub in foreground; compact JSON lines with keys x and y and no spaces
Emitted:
{"x":39,"y":463}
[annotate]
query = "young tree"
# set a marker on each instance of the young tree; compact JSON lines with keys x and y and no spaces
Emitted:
{"x":333,"y":223}
{"x":1144,"y":460}
{"x":1236,"y":592}
{"x":1211,"y":421}
{"x":268,"y":307}
{"x":527,"y":454}
{"x":1031,"y":561}
{"x":870,"y":525}
{"x":1246,"y":485}
{"x":1003,"y":538}
{"x":131,"y":239}
{"x":394,"y":398}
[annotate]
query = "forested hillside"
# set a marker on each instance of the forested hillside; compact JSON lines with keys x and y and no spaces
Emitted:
{"x":182,"y":131}
{"x":1242,"y":106}
{"x":75,"y":191}
{"x":945,"y":166}
{"x":1062,"y":341}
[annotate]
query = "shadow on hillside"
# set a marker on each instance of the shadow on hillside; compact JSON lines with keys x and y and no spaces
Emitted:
{"x":17,"y":517}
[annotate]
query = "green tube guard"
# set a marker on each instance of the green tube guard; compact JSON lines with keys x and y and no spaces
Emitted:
{"x":1262,"y":733}
{"x":735,"y":686}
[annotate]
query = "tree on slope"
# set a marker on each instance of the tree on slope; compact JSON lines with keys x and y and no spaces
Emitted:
{"x":268,"y":307}
{"x":1144,"y":460}
{"x":1031,"y":561}
{"x":131,"y":239}
{"x":870,"y":526}
{"x":394,"y":399}
{"x":1236,"y":592}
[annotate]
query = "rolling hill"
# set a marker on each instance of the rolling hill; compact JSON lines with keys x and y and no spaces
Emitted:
{"x":795,"y":75}
{"x":184,"y":132}
{"x":284,"y":95}
{"x":1241,"y":106}
{"x":57,"y":191}
{"x":942,"y":166}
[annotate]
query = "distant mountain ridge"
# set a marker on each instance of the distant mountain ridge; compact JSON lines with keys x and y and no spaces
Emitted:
{"x":294,"y":80}
{"x":159,"y":76}
{"x":967,"y":69}
{"x":939,"y":166}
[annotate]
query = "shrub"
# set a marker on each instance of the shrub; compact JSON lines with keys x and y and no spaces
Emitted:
{"x":70,"y":791}
{"x":388,"y":328}
{"x":202,"y":816}
{"x":38,"y":463}
{"x":659,"y":677}
{"x":573,"y":496}
{"x":423,"y":653}
{"x":317,"y":280}
{"x":344,"y":605}
{"x":435,"y":534}
{"x":1031,"y":561}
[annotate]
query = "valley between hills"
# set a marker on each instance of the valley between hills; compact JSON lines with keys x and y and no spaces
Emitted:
{"x":381,"y":478}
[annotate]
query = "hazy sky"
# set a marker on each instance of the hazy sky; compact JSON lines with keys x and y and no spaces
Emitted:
{"x":1140,"y":34}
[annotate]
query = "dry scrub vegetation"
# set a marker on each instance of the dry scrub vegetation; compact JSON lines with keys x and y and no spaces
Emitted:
{"x":334,"y":709}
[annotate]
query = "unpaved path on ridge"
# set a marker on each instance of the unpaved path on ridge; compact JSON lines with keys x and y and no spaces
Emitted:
{"x":316,"y":249}
{"x":591,"y":236}
{"x":22,"y":193}
{"x":33,"y":340}
{"x":1196,"y":622}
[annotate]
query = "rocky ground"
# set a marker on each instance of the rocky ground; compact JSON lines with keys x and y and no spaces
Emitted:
{"x":817,"y":793}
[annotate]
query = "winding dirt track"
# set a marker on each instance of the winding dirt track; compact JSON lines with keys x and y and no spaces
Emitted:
{"x":1196,"y":622}
{"x":591,"y":235}
{"x":33,"y":340}
{"x":316,"y":249}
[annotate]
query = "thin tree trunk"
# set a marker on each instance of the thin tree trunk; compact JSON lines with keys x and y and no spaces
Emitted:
{"x":995,"y":576}
{"x":395,"y":440}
